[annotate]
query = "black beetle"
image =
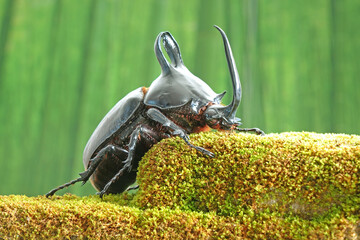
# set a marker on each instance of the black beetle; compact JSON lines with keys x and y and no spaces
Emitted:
{"x":177,"y":103}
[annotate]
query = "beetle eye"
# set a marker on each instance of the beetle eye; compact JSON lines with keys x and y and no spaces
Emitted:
{"x":210,"y":113}
{"x":212,"y":116}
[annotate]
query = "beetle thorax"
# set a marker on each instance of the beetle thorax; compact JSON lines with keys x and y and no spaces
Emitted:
{"x":176,"y":88}
{"x":189,"y":116}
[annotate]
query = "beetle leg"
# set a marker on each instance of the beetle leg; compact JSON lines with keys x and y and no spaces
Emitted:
{"x":84,"y":176}
{"x":256,"y":130}
{"x":132,"y":188}
{"x":53,"y":191}
{"x":134,"y":138}
{"x":157,"y":116}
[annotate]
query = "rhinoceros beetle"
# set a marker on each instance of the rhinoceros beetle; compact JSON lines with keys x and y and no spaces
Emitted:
{"x":176,"y":103}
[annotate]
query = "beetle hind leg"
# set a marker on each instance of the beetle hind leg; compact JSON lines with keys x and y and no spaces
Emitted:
{"x":84,"y":176}
{"x":53,"y":191}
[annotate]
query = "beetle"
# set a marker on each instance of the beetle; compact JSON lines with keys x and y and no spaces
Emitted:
{"x":176,"y":103}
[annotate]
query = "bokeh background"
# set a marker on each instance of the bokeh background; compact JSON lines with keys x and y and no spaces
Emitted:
{"x":65,"y":63}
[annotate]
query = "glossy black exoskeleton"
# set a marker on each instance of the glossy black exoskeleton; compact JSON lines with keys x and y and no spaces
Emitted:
{"x":177,"y":103}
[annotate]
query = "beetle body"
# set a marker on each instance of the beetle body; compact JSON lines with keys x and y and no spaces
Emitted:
{"x":176,"y":103}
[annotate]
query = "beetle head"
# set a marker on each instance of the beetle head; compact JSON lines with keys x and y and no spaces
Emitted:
{"x":217,"y":115}
{"x":177,"y":86}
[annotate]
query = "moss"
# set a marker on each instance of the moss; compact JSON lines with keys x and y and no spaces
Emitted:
{"x":89,"y":217}
{"x":304,"y":174}
{"x":289,"y":185}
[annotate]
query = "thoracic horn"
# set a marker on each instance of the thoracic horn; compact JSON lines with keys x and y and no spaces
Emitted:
{"x":230,"y":110}
{"x":172,"y":49}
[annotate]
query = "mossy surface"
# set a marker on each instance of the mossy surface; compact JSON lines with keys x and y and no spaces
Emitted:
{"x":304,"y":174}
{"x":89,"y":217}
{"x":289,"y":185}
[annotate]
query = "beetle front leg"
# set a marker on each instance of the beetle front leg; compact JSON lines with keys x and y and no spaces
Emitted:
{"x":84,"y":176}
{"x":157,"y":116}
{"x":258,"y":131}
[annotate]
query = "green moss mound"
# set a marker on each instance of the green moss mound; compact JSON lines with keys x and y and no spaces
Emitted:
{"x":304,"y":174}
{"x":279,"y":186}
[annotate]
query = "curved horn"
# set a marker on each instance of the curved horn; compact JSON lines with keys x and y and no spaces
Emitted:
{"x":171,"y":48}
{"x":165,"y":68}
{"x":230,"y":110}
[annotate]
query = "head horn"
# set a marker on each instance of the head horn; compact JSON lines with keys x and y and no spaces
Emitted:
{"x":230,"y":110}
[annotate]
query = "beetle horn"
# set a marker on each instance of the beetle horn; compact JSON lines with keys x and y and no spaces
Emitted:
{"x":172,"y":49}
{"x":230,"y":110}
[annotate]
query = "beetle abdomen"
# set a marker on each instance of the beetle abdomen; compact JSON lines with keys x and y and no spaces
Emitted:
{"x":107,"y":169}
{"x":113,"y":162}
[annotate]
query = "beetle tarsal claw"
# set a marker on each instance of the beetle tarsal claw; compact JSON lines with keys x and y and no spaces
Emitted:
{"x":200,"y":149}
{"x":133,"y":188}
{"x":257,"y":131}
{"x":105,"y":190}
{"x":101,"y":194}
{"x":206,"y":152}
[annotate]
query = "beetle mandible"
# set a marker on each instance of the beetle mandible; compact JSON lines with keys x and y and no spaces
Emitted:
{"x":176,"y":103}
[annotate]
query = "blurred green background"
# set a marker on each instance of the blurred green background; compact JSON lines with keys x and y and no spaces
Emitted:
{"x":65,"y":63}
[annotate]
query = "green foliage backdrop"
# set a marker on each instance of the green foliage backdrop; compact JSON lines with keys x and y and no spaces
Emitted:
{"x":65,"y":63}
